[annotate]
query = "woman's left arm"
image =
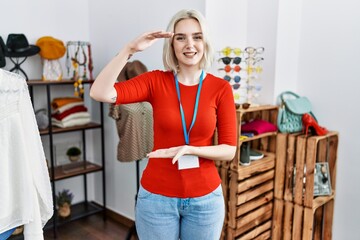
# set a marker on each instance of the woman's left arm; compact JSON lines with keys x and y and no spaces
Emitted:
{"x":222,"y":152}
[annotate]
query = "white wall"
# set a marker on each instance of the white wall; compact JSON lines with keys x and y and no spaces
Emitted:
{"x":311,"y":48}
{"x":328,"y":74}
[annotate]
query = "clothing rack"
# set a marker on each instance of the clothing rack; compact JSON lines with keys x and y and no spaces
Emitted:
{"x":132,"y":230}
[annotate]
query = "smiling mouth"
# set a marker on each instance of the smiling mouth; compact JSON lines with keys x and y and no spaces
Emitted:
{"x":190,"y":54}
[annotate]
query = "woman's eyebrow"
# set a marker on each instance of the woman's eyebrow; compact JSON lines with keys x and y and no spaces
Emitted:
{"x":182,"y":34}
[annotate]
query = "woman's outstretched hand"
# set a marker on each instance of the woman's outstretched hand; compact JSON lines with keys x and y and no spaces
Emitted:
{"x":175,"y":153}
{"x":147,"y":39}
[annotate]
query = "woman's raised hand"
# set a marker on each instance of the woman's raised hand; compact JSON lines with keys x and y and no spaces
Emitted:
{"x":147,"y":39}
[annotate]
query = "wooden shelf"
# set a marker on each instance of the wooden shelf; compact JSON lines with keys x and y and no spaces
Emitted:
{"x":322,"y":200}
{"x":298,"y":212}
{"x":248,"y":190}
{"x":70,"y":170}
{"x":67,"y":171}
{"x":70,"y":129}
{"x":78,"y":210}
{"x":268,"y":134}
{"x":62,"y":82}
{"x":257,"y":108}
{"x":255,"y":167}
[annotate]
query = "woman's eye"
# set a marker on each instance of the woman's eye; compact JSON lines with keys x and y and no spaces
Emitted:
{"x":180,"y":38}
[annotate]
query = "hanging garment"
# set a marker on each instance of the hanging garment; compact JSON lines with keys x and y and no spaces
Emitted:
{"x":135,"y":129}
{"x":25,"y":190}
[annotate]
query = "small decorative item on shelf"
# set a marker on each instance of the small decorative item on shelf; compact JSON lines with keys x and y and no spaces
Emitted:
{"x":73,"y":153}
{"x":322,"y":183}
{"x":42,"y":118}
{"x":63,"y":201}
{"x":243,"y":68}
{"x":81,"y":60}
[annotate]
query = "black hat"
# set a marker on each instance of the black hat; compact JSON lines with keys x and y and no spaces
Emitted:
{"x":2,"y":53}
{"x":18,"y":46}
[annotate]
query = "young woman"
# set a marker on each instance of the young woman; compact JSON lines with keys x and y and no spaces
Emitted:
{"x":180,"y":194}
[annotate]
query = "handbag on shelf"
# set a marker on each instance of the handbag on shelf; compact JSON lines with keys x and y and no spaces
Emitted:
{"x":291,"y":111}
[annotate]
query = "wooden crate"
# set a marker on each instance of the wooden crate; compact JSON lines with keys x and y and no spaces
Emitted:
{"x":224,"y":175}
{"x":299,"y":155}
{"x":297,"y":213}
{"x":262,"y":232}
{"x":251,"y":187}
{"x":265,"y":142}
{"x":293,"y":221}
{"x":250,"y":198}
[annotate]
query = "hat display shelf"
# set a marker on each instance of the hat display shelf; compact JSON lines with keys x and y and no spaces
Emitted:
{"x":79,"y":64}
{"x":243,"y":68}
{"x":18,"y":49}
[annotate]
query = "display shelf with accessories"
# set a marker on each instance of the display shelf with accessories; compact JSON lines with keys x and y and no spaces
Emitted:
{"x":251,"y":183}
{"x":306,"y":169}
{"x":248,"y":186}
{"x":243,"y":70}
{"x":81,"y":167}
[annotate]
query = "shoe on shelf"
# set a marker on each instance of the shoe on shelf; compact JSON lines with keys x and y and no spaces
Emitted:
{"x":255,"y":155}
{"x":245,"y":154}
{"x":309,"y":122}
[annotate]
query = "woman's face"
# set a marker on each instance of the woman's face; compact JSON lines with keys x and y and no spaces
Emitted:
{"x":188,"y":43}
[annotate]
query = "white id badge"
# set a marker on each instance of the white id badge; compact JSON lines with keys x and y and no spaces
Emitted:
{"x":188,"y":161}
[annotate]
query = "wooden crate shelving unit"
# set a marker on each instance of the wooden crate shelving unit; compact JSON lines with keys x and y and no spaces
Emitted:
{"x":248,"y":190}
{"x":297,"y":213}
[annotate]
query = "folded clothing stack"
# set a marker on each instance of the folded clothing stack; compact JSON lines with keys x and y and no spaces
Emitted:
{"x":68,"y":112}
{"x":257,"y":126}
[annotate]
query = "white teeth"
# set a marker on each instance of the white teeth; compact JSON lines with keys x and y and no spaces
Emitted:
{"x":190,"y":54}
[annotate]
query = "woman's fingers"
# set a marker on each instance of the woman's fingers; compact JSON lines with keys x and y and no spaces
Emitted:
{"x":147,"y":39}
{"x":164,"y":153}
{"x":175,"y":153}
{"x":160,"y":34}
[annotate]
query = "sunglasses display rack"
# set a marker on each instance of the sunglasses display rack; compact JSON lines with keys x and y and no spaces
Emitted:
{"x":243,"y":68}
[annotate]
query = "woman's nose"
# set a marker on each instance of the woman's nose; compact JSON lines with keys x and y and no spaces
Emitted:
{"x":189,"y":41}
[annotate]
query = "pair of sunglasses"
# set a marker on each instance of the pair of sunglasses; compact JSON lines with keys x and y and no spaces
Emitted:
{"x":257,"y":69}
{"x":254,"y":51}
{"x":235,"y":86}
{"x":238,"y":96}
{"x":236,"y":78}
{"x":228,"y":60}
{"x":228,"y":68}
{"x":228,"y":50}
{"x":253,"y":60}
{"x":254,"y":87}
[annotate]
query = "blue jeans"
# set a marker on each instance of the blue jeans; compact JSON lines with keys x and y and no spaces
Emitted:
{"x":167,"y":218}
{"x":7,"y":234}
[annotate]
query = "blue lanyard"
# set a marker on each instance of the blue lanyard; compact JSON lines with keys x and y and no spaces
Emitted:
{"x":187,"y":133}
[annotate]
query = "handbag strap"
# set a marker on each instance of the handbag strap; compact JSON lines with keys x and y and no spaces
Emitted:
{"x":288,"y":93}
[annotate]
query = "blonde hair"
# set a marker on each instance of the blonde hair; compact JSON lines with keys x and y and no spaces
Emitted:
{"x":169,"y":58}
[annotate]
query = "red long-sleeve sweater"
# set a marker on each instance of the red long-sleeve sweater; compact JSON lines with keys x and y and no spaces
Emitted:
{"x":216,"y":109}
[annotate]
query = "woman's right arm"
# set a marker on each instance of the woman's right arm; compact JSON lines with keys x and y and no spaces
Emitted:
{"x":103,"y":87}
